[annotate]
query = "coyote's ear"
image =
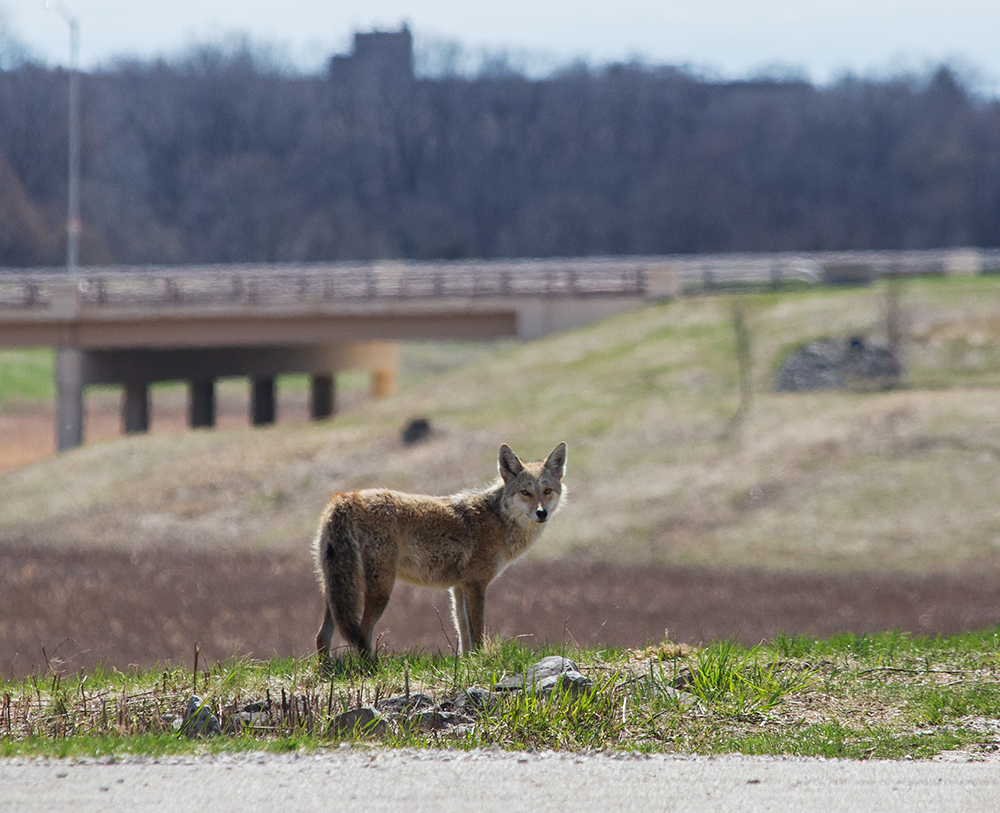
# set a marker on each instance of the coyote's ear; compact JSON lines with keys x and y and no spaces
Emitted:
{"x":555,"y":463}
{"x":508,"y":463}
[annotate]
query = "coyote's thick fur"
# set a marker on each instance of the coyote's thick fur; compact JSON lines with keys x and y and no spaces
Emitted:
{"x":368,"y":539}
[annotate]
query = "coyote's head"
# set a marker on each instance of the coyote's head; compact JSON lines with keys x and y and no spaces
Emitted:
{"x":532,"y":488}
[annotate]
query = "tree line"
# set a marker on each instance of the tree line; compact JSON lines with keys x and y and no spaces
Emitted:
{"x":220,"y":156}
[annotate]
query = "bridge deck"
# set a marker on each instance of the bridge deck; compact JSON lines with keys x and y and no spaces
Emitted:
{"x":142,"y":324}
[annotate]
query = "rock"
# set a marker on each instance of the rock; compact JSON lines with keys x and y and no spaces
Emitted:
{"x":547,"y":675}
{"x":683,"y":680}
{"x":245,"y":718}
{"x":237,"y":722}
{"x":257,"y":706}
{"x":199,"y":720}
{"x":571,"y":681}
{"x":418,"y":711}
{"x":416,"y":430}
{"x":400,"y":705}
{"x":252,"y":714}
{"x":864,"y":360}
{"x":835,"y":363}
{"x":435,"y":720}
{"x":363,"y":721}
{"x":474,"y":700}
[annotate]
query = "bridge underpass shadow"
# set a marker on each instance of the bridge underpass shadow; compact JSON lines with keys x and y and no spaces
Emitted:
{"x":136,"y":370}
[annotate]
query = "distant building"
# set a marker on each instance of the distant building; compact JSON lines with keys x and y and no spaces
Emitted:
{"x":382,"y":57}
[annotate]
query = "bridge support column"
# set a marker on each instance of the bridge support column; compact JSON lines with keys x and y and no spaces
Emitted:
{"x":383,"y":383}
{"x":135,"y":407}
{"x":201,"y":403}
{"x":69,"y":397}
{"x":322,"y":397}
{"x":263,"y":401}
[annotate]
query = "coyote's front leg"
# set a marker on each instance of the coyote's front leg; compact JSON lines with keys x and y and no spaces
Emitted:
{"x":460,"y":615}
{"x":469,"y":605}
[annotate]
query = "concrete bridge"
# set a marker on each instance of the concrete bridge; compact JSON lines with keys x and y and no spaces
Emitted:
{"x":139,"y":325}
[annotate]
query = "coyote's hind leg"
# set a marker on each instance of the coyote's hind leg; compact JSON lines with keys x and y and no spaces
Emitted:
{"x":325,"y":634}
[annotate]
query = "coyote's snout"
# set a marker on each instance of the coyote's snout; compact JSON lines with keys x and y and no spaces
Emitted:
{"x":368,"y":539}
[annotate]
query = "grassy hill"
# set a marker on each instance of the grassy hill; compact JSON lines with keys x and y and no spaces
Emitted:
{"x":901,"y":479}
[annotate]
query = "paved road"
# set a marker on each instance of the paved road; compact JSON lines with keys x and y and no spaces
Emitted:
{"x":486,"y":782}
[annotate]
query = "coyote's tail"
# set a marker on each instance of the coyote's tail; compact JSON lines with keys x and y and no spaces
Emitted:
{"x":343,"y":575}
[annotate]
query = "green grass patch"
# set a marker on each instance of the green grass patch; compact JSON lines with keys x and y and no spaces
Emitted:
{"x":738,"y":683}
{"x":837,"y":741}
{"x":26,"y":375}
{"x":880,"y":696}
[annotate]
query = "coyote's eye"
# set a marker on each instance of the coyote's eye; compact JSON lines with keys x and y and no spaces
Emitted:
{"x":525,"y":492}
{"x":547,"y":491}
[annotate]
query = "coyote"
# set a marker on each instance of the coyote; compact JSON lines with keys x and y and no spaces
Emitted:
{"x":368,"y":539}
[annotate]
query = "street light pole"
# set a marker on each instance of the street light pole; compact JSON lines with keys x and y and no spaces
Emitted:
{"x":73,"y":223}
{"x":69,"y":359}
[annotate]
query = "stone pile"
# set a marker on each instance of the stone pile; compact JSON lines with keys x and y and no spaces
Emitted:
{"x":838,"y":363}
{"x":413,"y":711}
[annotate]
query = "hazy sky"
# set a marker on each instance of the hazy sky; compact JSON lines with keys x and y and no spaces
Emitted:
{"x":733,"y":38}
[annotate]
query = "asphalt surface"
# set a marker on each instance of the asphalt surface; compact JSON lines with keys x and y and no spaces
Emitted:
{"x":485,"y":781}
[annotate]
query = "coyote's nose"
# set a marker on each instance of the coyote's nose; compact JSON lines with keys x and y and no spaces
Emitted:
{"x":542,"y":514}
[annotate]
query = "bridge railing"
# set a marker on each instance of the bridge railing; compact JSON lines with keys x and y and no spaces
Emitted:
{"x":227,"y":286}
{"x":305,"y":285}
